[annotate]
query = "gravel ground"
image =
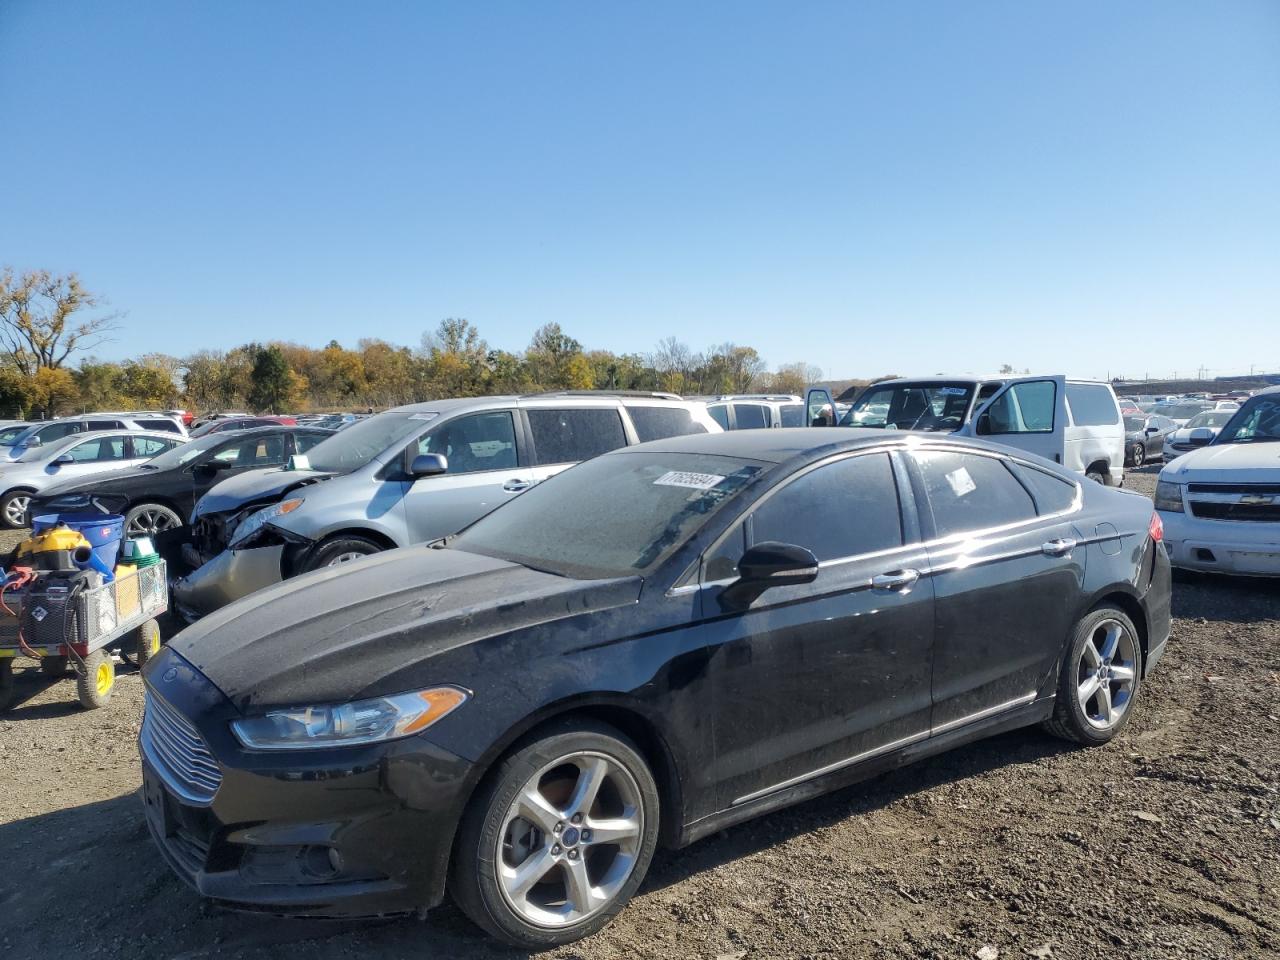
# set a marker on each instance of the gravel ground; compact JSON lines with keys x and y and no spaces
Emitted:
{"x":1166,"y":843}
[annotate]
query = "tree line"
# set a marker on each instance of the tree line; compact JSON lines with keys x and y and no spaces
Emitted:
{"x":44,"y":324}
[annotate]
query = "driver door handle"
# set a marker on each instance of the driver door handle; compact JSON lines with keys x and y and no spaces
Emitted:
{"x":516,"y":485}
{"x":1061,"y":547}
{"x":896,"y":580}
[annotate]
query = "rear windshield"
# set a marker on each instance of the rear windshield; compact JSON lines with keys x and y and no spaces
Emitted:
{"x":618,"y":515}
{"x":361,"y":442}
{"x":911,"y":406}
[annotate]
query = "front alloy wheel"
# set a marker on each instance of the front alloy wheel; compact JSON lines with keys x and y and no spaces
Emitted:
{"x":1138,"y":454}
{"x":561,"y":839}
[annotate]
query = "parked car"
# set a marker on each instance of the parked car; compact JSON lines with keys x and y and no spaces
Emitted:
{"x":1221,"y":502}
{"x":1144,"y":438}
{"x":406,"y":476}
{"x":1199,"y":431}
{"x":650,"y":647}
{"x":754,"y":410}
{"x":146,"y":419}
{"x":1073,"y":422}
{"x":159,"y":495}
{"x":10,"y":430}
{"x":1182,"y":411}
{"x":223,"y":424}
{"x":77,"y":456}
{"x":46,"y":432}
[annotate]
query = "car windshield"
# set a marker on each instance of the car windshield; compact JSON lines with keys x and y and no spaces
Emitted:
{"x":1180,"y":411}
{"x":1257,"y":421}
{"x":1210,"y":418}
{"x":359,"y":443}
{"x":10,"y":434}
{"x":911,"y":406}
{"x":618,"y":515}
{"x":184,"y":453}
{"x":1135,"y":424}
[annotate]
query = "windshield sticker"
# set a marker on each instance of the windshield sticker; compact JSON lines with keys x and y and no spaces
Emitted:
{"x":961,"y":482}
{"x":682,"y":478}
{"x":952,"y":391}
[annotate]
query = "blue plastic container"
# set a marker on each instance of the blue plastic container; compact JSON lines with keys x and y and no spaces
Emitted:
{"x":103,"y":531}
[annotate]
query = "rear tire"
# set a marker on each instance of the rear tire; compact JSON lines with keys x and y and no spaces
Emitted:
{"x":1100,"y":679}
{"x":342,"y":549}
{"x":557,"y":842}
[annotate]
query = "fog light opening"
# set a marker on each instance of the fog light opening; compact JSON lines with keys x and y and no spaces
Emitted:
{"x":1205,"y":556}
{"x":320,"y":863}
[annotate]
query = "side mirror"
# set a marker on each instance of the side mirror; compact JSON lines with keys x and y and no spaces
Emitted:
{"x":983,"y":427}
{"x":34,"y":442}
{"x":428,"y":465}
{"x":769,"y":564}
{"x":65,"y":458}
{"x":1200,"y":437}
{"x":1151,"y":431}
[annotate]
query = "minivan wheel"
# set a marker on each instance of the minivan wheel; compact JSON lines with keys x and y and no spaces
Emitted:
{"x":558,"y":838}
{"x":340,"y":550}
{"x":1099,"y":681}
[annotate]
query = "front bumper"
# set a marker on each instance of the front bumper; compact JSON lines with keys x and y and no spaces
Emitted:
{"x":229,"y":576}
{"x":1240,"y":547}
{"x":351,"y":832}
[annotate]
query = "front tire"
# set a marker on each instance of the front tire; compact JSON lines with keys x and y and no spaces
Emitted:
{"x":1100,"y":679}
{"x":1137,"y":455}
{"x":342,"y":549}
{"x":558,"y":838}
{"x":13,"y":509}
{"x":150,"y":519}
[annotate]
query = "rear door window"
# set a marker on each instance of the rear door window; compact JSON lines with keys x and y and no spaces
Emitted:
{"x":970,"y":492}
{"x":750,"y":416}
{"x":98,"y":450}
{"x":1092,"y":405}
{"x":150,"y":446}
{"x":657,"y":423}
{"x":791,"y":414}
{"x":842,"y":509}
{"x":568,"y":436}
{"x":159,"y":424}
{"x":105,"y":425}
{"x":475,"y":442}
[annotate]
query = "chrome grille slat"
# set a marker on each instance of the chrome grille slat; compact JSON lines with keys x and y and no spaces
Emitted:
{"x":178,"y":752}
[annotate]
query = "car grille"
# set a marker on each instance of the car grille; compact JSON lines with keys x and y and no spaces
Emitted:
{"x":178,"y":752}
{"x":1208,"y":510}
{"x":1239,"y":489}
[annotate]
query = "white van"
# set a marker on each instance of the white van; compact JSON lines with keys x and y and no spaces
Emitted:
{"x":1073,"y":422}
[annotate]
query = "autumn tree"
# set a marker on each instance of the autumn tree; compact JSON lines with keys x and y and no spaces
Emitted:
{"x":274,"y":386}
{"x":52,"y":391}
{"x":42,"y":319}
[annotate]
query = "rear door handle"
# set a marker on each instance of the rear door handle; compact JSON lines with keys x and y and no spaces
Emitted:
{"x":897,"y":580}
{"x":1061,"y":547}
{"x":515,"y":485}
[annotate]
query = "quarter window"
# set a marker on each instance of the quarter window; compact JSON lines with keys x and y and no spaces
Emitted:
{"x":1092,"y":405}
{"x":657,"y":423}
{"x":791,"y":414}
{"x":1052,"y":494}
{"x":969,"y":492}
{"x":476,"y":442}
{"x":150,"y":446}
{"x":568,"y":436}
{"x":720,"y":414}
{"x":750,"y":416}
{"x":843,"y":509}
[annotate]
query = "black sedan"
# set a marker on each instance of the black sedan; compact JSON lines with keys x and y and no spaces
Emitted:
{"x":160,"y":494}
{"x":1144,"y":437}
{"x":644,"y":649}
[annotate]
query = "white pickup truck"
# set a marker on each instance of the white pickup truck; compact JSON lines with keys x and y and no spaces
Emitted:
{"x":1073,"y":422}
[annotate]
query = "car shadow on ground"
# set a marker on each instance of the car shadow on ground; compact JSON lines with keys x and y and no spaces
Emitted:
{"x":105,"y":847}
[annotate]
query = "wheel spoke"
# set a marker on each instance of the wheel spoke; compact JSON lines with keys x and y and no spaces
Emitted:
{"x":615,"y":830}
{"x":1091,"y":655}
{"x":580,"y":896}
{"x":591,"y":774}
{"x":1086,"y":691}
{"x":1105,"y":709}
{"x":520,"y":880}
{"x":1122,"y":672}
{"x":1110,"y":641}
{"x":537,"y":809}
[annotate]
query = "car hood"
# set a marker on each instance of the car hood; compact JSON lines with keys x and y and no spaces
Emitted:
{"x":1227,"y":463}
{"x":234,"y":492}
{"x":350,"y":631}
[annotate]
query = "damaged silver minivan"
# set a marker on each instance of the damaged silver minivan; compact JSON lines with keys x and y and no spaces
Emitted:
{"x":409,"y":475}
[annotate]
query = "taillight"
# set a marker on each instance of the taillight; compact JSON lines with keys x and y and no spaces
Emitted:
{"x":1156,"y":528}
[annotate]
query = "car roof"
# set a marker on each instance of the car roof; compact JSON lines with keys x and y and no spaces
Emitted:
{"x":588,"y":399}
{"x":787,"y":443}
{"x":72,"y":439}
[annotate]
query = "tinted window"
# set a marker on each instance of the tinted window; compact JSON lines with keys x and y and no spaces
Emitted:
{"x":566,"y":436}
{"x":969,"y":492}
{"x":101,"y":449}
{"x":150,"y":446}
{"x":1053,"y":494}
{"x":479,"y":441}
{"x":105,"y":425}
{"x":160,"y":424}
{"x":1092,"y":405}
{"x":843,"y":509}
{"x":791,"y":414}
{"x":257,"y":451}
{"x":1023,"y":408}
{"x":720,"y":414}
{"x":655,"y":423}
{"x":302,"y":442}
{"x":56,"y":431}
{"x":749,"y":416}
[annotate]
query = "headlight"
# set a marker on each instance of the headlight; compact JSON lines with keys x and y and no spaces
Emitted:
{"x":256,"y":521}
{"x":1169,"y":496}
{"x":349,"y":724}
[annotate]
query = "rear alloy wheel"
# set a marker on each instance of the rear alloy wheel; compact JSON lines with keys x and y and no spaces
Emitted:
{"x":1100,"y":679}
{"x":150,"y":519}
{"x":1138,"y":454}
{"x":559,"y":840}
{"x":13,"y":509}
{"x":339,"y":551}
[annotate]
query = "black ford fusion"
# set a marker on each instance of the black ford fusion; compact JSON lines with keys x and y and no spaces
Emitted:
{"x":649,"y":647}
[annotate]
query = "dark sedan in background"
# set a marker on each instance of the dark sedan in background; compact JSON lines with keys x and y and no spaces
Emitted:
{"x":1144,"y":436}
{"x":649,"y":647}
{"x":160,"y":494}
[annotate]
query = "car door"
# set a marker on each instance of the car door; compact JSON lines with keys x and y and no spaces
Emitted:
{"x":810,"y":679}
{"x":1029,"y":413}
{"x":486,"y":468}
{"x":98,"y":454}
{"x":1006,"y":578}
{"x":820,"y":409}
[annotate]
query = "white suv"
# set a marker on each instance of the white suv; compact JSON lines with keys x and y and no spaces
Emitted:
{"x":48,"y":431}
{"x":745,"y":411}
{"x":1221,"y":503}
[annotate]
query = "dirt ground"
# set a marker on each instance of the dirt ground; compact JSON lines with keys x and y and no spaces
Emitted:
{"x":1166,"y":843}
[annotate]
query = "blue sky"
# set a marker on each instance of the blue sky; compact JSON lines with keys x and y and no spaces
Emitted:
{"x":1086,"y":187}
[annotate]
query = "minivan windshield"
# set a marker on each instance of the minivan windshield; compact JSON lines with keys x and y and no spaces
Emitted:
{"x":911,"y":406}
{"x":1257,"y":421}
{"x":359,"y":443}
{"x":618,"y":515}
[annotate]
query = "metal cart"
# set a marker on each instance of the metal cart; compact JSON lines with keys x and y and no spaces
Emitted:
{"x":75,"y":634}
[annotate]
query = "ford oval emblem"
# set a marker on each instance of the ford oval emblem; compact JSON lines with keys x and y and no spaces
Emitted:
{"x":170,"y":675}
